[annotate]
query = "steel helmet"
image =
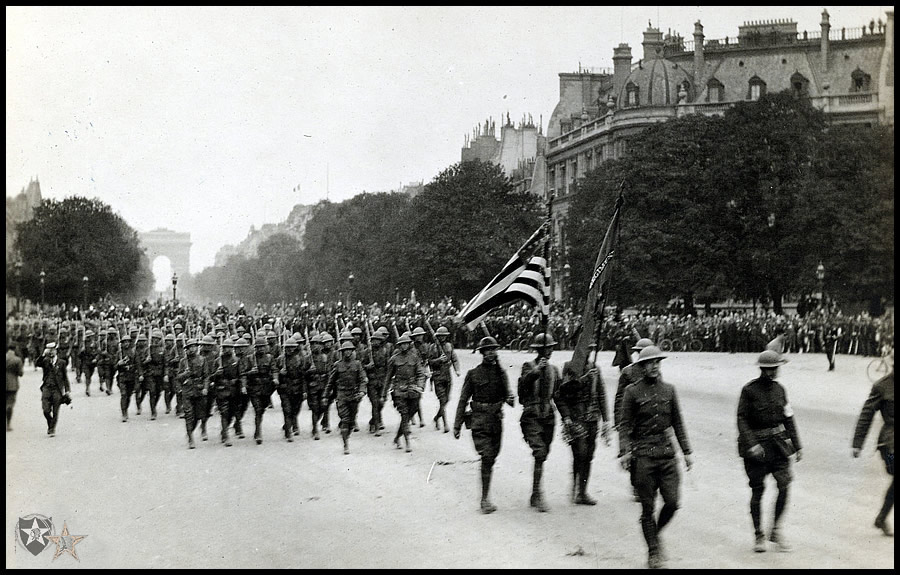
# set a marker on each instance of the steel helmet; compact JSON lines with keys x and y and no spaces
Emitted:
{"x":442,"y":331}
{"x":650,"y":353}
{"x":348,"y":345}
{"x":770,"y":358}
{"x":487,"y":343}
{"x":543,"y":340}
{"x":418,"y":331}
{"x":642,"y":343}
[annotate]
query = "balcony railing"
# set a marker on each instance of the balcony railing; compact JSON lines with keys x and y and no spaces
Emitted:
{"x":766,"y":40}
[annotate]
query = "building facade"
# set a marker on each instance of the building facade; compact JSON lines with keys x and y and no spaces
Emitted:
{"x":848,"y":73}
{"x":519,"y":151}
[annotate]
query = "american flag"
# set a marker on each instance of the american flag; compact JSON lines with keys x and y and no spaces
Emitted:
{"x":520,"y":279}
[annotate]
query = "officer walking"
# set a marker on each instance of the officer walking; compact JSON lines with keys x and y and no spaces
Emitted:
{"x":127,"y":372}
{"x":54,"y":388}
{"x":317,"y":378}
{"x":538,"y":384}
{"x":649,"y":408}
{"x":291,"y":384}
{"x":376,"y":372}
{"x":14,"y":370}
{"x":347,"y":383}
{"x":881,"y":398}
{"x":767,"y":437}
{"x":487,"y":385}
{"x":260,"y":383}
{"x":87,"y":360}
{"x":154,"y":364}
{"x":629,"y":374}
{"x":227,"y":383}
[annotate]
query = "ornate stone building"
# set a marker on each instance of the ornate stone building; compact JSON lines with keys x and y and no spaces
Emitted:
{"x":518,"y":152}
{"x":846,"y":72}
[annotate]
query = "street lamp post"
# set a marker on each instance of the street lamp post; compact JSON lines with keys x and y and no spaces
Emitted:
{"x":43,"y":275}
{"x":820,"y":275}
{"x":396,"y":296}
{"x":567,"y":296}
{"x":18,"y":285}
{"x":84,"y":303}
{"x":174,"y":288}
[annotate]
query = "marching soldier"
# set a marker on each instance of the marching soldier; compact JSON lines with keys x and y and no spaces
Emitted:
{"x":154,"y":364}
{"x":194,"y":376}
{"x":170,"y":357}
{"x":106,"y":360}
{"x":406,"y":379}
{"x":537,"y":386}
{"x":487,"y":386}
{"x":421,"y":350}
{"x":259,"y":384}
{"x":141,"y":346}
{"x":649,"y":408}
{"x":291,"y":381}
{"x":347,"y":384}
{"x":88,"y":360}
{"x":317,"y":377}
{"x":323,"y":367}
{"x":582,"y":405}
{"x":376,"y":372}
{"x":54,"y":387}
{"x":127,"y":372}
{"x":227,"y":387}
{"x":767,"y":437}
{"x":881,"y":398}
{"x":629,"y":374}
{"x":245,"y":372}
{"x":440,"y":361}
{"x":277,"y":361}
{"x":209,"y":350}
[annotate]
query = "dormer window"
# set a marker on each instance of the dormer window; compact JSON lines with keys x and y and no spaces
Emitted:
{"x":861,"y":82}
{"x":632,"y":95}
{"x":756,"y":88}
{"x":715,"y":91}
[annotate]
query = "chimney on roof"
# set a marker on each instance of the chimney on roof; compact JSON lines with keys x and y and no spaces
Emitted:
{"x":826,"y":28}
{"x":699,"y":61}
{"x":621,"y":66}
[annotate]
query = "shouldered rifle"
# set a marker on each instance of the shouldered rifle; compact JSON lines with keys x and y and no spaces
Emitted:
{"x":369,"y":341}
{"x":394,"y":329}
{"x":309,"y":348}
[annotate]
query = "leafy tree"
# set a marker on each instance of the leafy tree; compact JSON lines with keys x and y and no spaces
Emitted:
{"x":79,"y":237}
{"x":461,"y":230}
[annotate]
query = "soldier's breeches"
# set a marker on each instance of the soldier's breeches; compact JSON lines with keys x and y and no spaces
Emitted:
{"x":652,"y":475}
{"x":194,"y":410}
{"x":126,"y":389}
{"x":538,"y":433}
{"x":487,"y":433}
{"x":347,"y":413}
{"x":442,"y":391}
{"x":88,"y":372}
{"x":374,"y":393}
{"x":407,"y":406}
{"x":227,"y":406}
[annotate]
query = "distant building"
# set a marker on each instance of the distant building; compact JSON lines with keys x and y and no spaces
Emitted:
{"x":20,"y":209}
{"x":519,"y":151}
{"x":294,"y":225}
{"x":848,"y":73}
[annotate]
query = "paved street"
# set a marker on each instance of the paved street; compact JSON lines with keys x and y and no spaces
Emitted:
{"x":144,"y":500}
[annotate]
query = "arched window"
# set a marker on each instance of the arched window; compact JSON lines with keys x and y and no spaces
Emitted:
{"x":715,"y":91}
{"x":799,"y":85}
{"x":756,"y":88}
{"x":633,"y":97}
{"x":861,"y":82}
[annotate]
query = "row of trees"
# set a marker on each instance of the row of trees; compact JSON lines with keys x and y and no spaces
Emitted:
{"x":73,"y":239}
{"x":745,"y":206}
{"x":449,"y":240}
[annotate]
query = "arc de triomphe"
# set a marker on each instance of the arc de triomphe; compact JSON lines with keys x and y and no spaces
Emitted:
{"x":174,"y":245}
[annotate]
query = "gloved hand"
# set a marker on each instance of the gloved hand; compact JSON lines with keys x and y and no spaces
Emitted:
{"x":688,"y":461}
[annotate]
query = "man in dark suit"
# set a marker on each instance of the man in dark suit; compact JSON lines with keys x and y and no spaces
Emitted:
{"x":55,"y":387}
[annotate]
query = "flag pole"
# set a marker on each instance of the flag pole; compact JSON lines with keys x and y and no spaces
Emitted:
{"x":544,"y":317}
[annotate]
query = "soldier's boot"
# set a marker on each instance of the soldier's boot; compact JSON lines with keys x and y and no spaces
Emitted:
{"x":295,"y":427}
{"x":444,"y":419}
{"x":583,"y":498}
{"x":406,"y":440}
{"x":191,"y":441}
{"x":109,"y":387}
{"x":87,"y":388}
{"x":257,"y":433}
{"x":124,"y":415}
{"x":225,"y":438}
{"x":345,"y":435}
{"x":421,"y":419}
{"x":778,"y":539}
{"x":203,"y":435}
{"x":486,"y":469}
{"x":537,"y":498}
{"x":437,"y":426}
{"x":287,"y":432}
{"x":760,"y":545}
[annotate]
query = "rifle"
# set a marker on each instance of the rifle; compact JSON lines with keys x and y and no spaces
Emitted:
{"x":394,"y":329}
{"x":408,"y":328}
{"x":369,"y":341}
{"x":437,"y":342}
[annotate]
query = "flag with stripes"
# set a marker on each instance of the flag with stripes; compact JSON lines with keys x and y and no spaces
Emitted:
{"x":520,"y":279}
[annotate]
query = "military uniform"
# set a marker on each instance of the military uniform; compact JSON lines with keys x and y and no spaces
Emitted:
{"x":347,"y":383}
{"x":170,"y":358}
{"x":227,"y":384}
{"x":14,"y":370}
{"x":376,"y":372}
{"x":106,"y":360}
{"x":259,"y":386}
{"x":405,"y":380}
{"x":582,"y":405}
{"x":487,"y":386}
{"x":87,"y":360}
{"x":128,"y":369}
{"x":194,"y":375}
{"x":881,"y":398}
{"x":291,"y":388}
{"x":440,"y":362}
{"x":767,"y":437}
{"x":315,"y":391}
{"x":54,"y":389}
{"x":141,"y":385}
{"x":154,"y":365}
{"x":831,"y":336}
{"x":649,"y":408}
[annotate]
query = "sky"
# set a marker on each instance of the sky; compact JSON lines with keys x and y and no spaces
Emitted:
{"x":210,"y":120}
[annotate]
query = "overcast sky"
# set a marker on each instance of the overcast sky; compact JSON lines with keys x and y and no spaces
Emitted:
{"x":206,"y":120}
